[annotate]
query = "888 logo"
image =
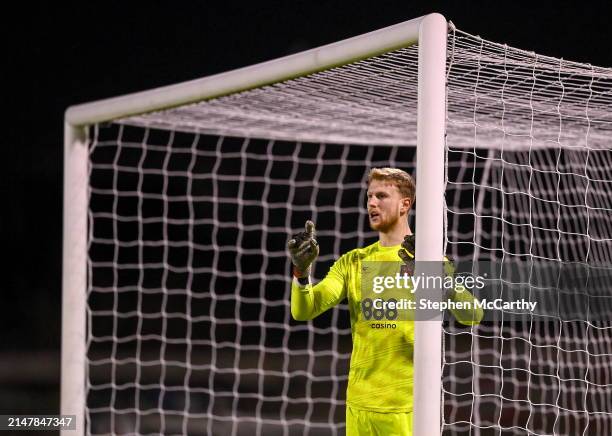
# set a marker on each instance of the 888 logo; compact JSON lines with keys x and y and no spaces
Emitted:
{"x":379,"y":309}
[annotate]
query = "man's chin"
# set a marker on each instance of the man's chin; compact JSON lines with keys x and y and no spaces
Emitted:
{"x":376,"y":226}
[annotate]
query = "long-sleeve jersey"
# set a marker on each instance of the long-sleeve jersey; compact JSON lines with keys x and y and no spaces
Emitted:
{"x":381,"y":368}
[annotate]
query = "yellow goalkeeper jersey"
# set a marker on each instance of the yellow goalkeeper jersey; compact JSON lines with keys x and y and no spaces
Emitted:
{"x":381,"y":368}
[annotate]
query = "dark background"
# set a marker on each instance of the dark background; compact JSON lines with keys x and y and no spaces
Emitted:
{"x":56,"y":56}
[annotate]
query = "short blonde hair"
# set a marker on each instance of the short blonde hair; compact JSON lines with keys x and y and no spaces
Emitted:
{"x":401,"y":179}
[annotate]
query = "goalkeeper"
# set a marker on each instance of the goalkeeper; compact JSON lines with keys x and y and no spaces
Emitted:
{"x":379,"y":393}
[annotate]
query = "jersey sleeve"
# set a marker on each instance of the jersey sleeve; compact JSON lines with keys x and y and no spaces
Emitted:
{"x":311,"y":300}
{"x":471,"y":316}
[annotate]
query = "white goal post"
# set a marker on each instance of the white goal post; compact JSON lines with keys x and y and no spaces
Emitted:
{"x":430,"y":31}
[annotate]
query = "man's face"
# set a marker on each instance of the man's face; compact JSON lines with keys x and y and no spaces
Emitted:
{"x":385,"y":205}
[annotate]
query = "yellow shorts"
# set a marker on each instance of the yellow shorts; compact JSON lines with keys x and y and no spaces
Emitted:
{"x":366,"y":423}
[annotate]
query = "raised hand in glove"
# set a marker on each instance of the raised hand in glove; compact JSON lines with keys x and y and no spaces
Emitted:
{"x":303,"y":249}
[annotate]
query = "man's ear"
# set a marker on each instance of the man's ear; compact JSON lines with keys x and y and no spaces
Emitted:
{"x":406,"y":203}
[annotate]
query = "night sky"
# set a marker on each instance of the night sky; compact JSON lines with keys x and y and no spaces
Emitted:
{"x":54,"y":58}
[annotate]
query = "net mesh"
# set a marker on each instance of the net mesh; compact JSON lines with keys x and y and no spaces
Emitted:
{"x":531,"y":186}
{"x":188,"y":314}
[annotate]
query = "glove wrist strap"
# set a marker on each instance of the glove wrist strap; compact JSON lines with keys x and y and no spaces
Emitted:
{"x":299,"y":274}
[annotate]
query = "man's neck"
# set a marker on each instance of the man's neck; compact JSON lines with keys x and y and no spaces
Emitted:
{"x":395,"y":235}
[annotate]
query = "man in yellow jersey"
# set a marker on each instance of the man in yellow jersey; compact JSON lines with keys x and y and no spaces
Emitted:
{"x":379,"y":393}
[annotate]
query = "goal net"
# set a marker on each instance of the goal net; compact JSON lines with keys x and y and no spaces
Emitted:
{"x":188,"y":313}
{"x":528,"y":182}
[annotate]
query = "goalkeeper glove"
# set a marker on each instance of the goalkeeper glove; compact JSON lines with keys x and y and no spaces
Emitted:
{"x":406,"y":253}
{"x":303,"y":249}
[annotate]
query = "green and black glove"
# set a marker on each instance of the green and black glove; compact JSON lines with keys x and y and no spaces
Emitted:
{"x":406,"y":253}
{"x":303,"y":249}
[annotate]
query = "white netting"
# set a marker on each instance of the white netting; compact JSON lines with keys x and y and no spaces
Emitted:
{"x":532,"y":186}
{"x":191,"y":328}
{"x":189,"y":321}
